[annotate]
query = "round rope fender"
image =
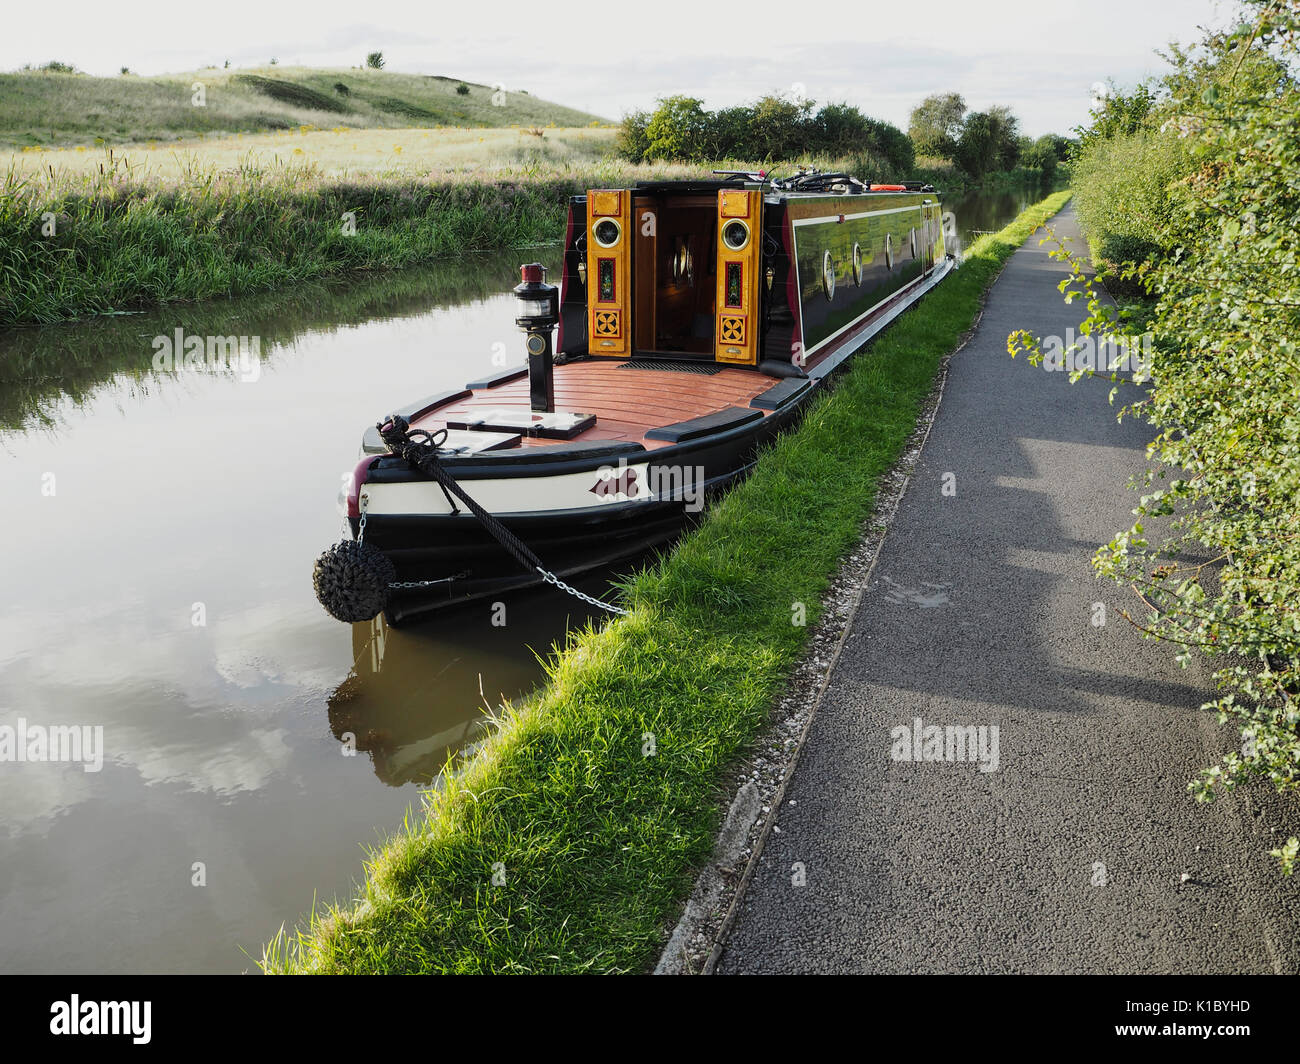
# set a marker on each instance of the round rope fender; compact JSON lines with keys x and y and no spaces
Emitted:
{"x":351,"y":581}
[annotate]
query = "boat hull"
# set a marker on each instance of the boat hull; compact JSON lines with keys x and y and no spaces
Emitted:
{"x":467,"y":564}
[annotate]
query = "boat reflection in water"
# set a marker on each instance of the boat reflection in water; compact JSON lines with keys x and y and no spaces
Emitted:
{"x":420,"y":695}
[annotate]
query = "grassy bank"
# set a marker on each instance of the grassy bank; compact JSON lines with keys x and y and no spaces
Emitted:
{"x":597,"y":842}
{"x":78,"y":242}
{"x":336,"y":151}
{"x":39,"y":107}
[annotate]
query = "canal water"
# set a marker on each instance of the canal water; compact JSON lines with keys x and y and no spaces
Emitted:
{"x":979,"y":212}
{"x":157,"y":562}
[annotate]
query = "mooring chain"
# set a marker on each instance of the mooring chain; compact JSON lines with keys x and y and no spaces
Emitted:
{"x":396,"y":433}
{"x":551,"y":578}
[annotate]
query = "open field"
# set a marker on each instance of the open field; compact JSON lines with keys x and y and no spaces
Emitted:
{"x":50,"y":109}
{"x":339,"y":151}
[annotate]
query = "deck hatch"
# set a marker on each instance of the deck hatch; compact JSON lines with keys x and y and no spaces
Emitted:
{"x":707,"y":369}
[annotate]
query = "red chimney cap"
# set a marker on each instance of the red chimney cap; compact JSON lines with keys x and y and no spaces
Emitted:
{"x":533,"y":273}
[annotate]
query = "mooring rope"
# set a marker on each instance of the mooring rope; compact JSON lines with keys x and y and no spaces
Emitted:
{"x":355,"y":579}
{"x":420,"y":448}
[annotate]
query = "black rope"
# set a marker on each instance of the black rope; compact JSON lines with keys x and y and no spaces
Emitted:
{"x":422,"y":453}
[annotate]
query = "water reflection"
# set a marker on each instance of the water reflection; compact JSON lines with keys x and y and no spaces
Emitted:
{"x":181,"y":490}
{"x":986,"y":211}
{"x":415,"y":696}
{"x":44,"y":367}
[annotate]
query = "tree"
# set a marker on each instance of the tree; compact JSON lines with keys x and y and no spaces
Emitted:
{"x":632,"y":139}
{"x":839,"y":129}
{"x":1004,"y":130}
{"x":676,"y":129}
{"x":936,"y":125}
{"x":778,"y":127}
{"x":976,"y":149}
{"x":1116,"y":113}
{"x":375,"y":60}
{"x":728,"y":133}
{"x":1043,"y":154}
{"x":893,"y":145}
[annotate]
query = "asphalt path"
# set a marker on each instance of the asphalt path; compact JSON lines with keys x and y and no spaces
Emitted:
{"x":1078,"y":849}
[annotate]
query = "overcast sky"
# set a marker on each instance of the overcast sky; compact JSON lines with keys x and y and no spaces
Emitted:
{"x":1041,"y":57}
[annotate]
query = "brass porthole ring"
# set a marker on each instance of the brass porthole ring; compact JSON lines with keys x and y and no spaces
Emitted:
{"x":735,"y":234}
{"x":606,"y":232}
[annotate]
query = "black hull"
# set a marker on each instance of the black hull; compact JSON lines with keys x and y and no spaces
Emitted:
{"x":469,"y":565}
{"x":458,"y":561}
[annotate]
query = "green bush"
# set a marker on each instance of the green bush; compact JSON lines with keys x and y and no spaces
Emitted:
{"x":1200,"y":200}
{"x":779,"y":128}
{"x":1125,"y":194}
{"x":676,"y":129}
{"x":892,"y":144}
{"x":632,"y":141}
{"x":773,"y":128}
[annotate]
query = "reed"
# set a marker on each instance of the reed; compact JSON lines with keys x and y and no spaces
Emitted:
{"x":75,"y":243}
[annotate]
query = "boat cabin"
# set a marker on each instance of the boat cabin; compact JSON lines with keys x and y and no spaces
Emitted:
{"x":739,"y":271}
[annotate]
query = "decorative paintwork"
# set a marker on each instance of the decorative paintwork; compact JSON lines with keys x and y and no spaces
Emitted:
{"x":609,"y":273}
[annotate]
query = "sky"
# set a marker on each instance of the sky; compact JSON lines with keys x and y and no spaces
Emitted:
{"x":1040,"y":57}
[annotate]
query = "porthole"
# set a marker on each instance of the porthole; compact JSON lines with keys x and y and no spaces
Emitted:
{"x":607,"y":232}
{"x":828,"y":275}
{"x":857,"y":264}
{"x":889,"y":250}
{"x":735,"y":234}
{"x":913,"y":242}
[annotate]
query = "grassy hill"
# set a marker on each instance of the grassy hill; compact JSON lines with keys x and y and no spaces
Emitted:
{"x":39,"y":107}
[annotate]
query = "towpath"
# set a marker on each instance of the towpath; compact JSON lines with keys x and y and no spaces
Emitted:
{"x":1082,"y":851}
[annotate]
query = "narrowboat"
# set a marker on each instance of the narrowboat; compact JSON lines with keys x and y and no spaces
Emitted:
{"x":693,"y":322}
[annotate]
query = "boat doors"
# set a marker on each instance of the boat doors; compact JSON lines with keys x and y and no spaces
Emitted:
{"x":609,"y":271}
{"x":674,"y":274}
{"x":740,"y":234}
